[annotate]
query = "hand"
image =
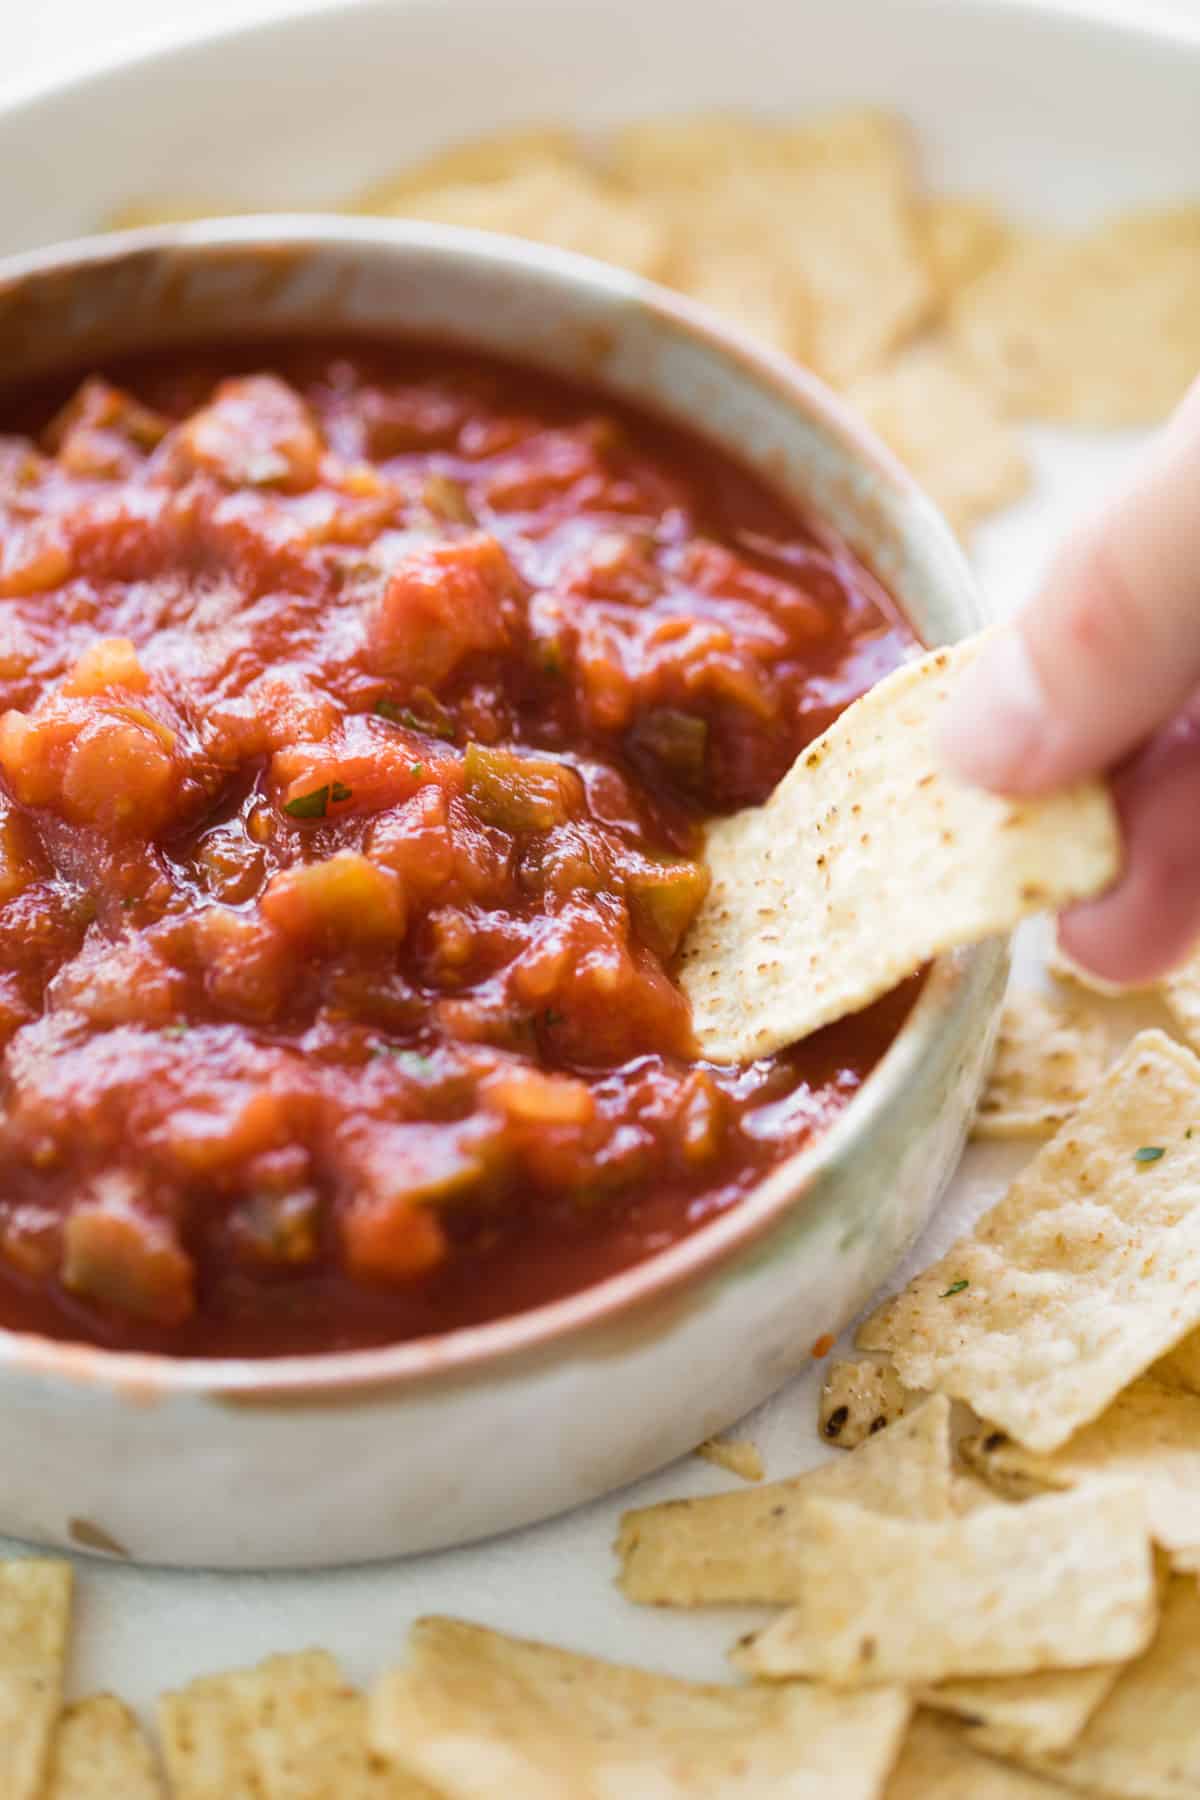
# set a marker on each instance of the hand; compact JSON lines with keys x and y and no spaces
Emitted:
{"x":1101,"y":674}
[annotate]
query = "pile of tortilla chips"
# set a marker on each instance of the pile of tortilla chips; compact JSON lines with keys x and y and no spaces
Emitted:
{"x":941,"y":321}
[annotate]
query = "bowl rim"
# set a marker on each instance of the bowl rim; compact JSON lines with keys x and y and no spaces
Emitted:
{"x":698,"y":1259}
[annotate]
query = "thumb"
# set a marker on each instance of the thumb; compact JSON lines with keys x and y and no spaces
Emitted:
{"x":1110,"y":647}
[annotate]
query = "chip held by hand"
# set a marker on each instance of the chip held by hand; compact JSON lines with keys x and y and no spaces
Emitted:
{"x":869,"y":860}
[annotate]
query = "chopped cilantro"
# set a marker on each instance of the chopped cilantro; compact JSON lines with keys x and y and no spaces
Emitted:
{"x":309,"y":806}
{"x":417,"y":769}
{"x":552,"y":1017}
{"x":339,"y":792}
{"x":956,"y":1287}
{"x":387,"y":709}
{"x":174,"y":1031}
{"x":128,"y":901}
{"x":1149,"y":1153}
{"x":411,"y":1060}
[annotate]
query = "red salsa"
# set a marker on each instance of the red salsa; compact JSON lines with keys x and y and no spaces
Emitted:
{"x":360,"y":707}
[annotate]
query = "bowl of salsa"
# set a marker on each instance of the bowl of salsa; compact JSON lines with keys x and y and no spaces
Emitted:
{"x":386,"y":609}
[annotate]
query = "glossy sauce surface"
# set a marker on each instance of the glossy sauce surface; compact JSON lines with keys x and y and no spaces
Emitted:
{"x":361,"y":707}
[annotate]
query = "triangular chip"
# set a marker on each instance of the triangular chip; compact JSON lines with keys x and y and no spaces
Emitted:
{"x":1143,"y":1742}
{"x":738,"y":1455}
{"x":946,"y":431}
{"x":479,"y":1715}
{"x":1060,"y":1583}
{"x":1181,"y":992}
{"x":868,"y":860}
{"x":290,"y":1729}
{"x":35,"y":1611}
{"x":936,"y":1763}
{"x":1012,"y":1715}
{"x":962,"y":237}
{"x":1049,"y":1055}
{"x":1150,"y":1435}
{"x":747,"y":1546}
{"x":1085,"y":1273}
{"x":100,"y":1754}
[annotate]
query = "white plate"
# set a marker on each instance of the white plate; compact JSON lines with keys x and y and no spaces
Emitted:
{"x":1055,"y":115}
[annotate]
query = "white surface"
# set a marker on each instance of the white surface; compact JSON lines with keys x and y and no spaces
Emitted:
{"x":1043,"y":126}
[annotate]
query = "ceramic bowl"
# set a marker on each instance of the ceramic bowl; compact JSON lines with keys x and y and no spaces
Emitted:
{"x":349,"y":1457}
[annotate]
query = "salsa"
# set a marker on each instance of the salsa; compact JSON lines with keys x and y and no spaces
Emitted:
{"x":360,"y":709}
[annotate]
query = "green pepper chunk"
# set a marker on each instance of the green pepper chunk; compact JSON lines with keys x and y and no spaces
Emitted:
{"x":673,"y":741}
{"x":516,"y":793}
{"x":664,"y":897}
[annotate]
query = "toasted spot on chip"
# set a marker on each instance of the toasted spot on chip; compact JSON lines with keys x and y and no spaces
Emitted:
{"x":904,"y":1600}
{"x":1150,"y":1435}
{"x":1142,"y":1743}
{"x":100,"y":1753}
{"x":946,"y":430}
{"x":1084,"y":1274}
{"x":1049,"y":1054}
{"x":898,"y":894}
{"x":737,"y":1455}
{"x":748,"y":1547}
{"x":35,"y":1608}
{"x":859,"y":1399}
{"x":1098,"y":330}
{"x":477,"y":1714}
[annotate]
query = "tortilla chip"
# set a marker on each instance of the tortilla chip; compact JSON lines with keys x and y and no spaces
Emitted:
{"x":290,"y":1729}
{"x":495,"y":157}
{"x":936,"y":1763}
{"x":962,"y":237}
{"x":735,"y":1454}
{"x":1101,"y":330}
{"x":968,"y":1494}
{"x":1023,"y":1715}
{"x":1143,"y":1743}
{"x":861,"y":1398}
{"x":100,"y":1754}
{"x":946,"y":431}
{"x":1048,"y":1057}
{"x":1150,"y":1435}
{"x":1180,"y":1367}
{"x":479,"y":1715}
{"x":749,"y":1546}
{"x":568,"y":208}
{"x":1061,"y":1583}
{"x":829,"y":207}
{"x":35,"y":1614}
{"x":867,"y":861}
{"x":752,"y":290}
{"x":1085,"y":1273}
{"x":1181,"y":992}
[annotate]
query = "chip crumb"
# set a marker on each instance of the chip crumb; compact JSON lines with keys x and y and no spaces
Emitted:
{"x":1049,"y":1054}
{"x":859,"y":1399}
{"x":738,"y":1455}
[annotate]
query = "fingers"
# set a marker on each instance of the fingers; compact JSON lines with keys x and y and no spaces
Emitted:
{"x":1110,"y":647}
{"x":1151,"y":919}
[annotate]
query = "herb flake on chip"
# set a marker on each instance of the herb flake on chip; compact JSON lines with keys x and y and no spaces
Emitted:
{"x":956,"y":1287}
{"x":309,"y":806}
{"x":1149,"y":1153}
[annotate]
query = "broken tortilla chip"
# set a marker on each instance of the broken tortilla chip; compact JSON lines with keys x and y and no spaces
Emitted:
{"x":938,"y":1763}
{"x":478,"y":1714}
{"x":737,"y":1455}
{"x":747,"y":1547}
{"x":290,"y":1729}
{"x":890,"y":1600}
{"x":868,"y":827}
{"x":100,"y":1753}
{"x":962,"y":237}
{"x":1048,"y":1057}
{"x":946,"y":431}
{"x":1142,"y":1743}
{"x":35,"y":1611}
{"x":861,"y":1398}
{"x":1100,"y":330}
{"x":1085,"y":1273}
{"x":1023,"y":1715}
{"x":1149,"y":1435}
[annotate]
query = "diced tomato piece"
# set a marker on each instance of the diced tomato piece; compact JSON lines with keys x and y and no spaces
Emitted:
{"x":444,"y":603}
{"x":257,"y":432}
{"x":345,"y":900}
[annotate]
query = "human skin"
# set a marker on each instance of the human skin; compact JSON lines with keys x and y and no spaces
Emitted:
{"x":1099,"y":674}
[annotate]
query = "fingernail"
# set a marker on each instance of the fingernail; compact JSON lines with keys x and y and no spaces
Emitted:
{"x":996,"y":720}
